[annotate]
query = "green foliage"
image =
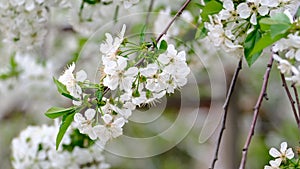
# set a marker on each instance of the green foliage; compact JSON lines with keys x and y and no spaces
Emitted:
{"x":62,"y":89}
{"x":250,"y":42}
{"x":210,"y":8}
{"x":78,"y":139}
{"x":270,"y":30}
{"x":13,"y":70}
{"x":163,"y":46}
{"x":55,"y":112}
{"x":92,"y":2}
{"x":66,"y":122}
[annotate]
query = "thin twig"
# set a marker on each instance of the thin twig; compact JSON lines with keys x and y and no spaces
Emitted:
{"x":297,"y":98}
{"x":225,"y":112}
{"x":290,"y":97}
{"x":149,"y":11}
{"x":139,"y":62}
{"x":262,"y":95}
{"x":179,"y":12}
{"x":174,"y":18}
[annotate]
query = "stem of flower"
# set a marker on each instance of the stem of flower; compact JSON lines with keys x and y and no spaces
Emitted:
{"x":262,"y":95}
{"x":292,"y":101}
{"x":225,"y":107}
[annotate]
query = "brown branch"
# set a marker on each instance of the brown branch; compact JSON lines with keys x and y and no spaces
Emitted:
{"x":174,"y":18}
{"x":297,"y":98}
{"x":225,"y":112}
{"x":262,"y":95}
{"x":292,"y":101}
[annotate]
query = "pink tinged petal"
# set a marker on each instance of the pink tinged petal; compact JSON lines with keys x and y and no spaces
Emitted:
{"x":107,"y":118}
{"x":289,"y":153}
{"x":253,"y":19}
{"x":90,"y":114}
{"x":274,"y":153}
{"x":276,"y":162}
{"x":263,"y":10}
{"x":81,"y":76}
{"x":283,"y":147}
{"x":79,"y":118}
{"x":243,"y":10}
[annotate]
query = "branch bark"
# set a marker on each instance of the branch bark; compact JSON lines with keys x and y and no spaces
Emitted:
{"x":262,"y":95}
{"x":292,"y":101}
{"x":225,"y":112}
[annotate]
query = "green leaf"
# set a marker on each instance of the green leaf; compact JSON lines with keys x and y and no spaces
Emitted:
{"x":201,"y":31}
{"x":249,"y":44}
{"x":265,"y":41}
{"x":277,"y":24}
{"x":66,"y":122}
{"x":91,"y":2}
{"x":62,"y":89}
{"x":298,"y":12}
{"x":210,"y":8}
{"x":55,"y":112}
{"x":163,"y":46}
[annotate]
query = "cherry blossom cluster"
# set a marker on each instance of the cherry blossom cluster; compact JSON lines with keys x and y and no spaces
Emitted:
{"x":128,"y":81}
{"x":35,"y":148}
{"x":229,"y":28}
{"x":23,"y":22}
{"x":287,"y":54}
{"x":283,"y":157}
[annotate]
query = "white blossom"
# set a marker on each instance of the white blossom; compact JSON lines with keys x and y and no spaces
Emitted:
{"x":85,"y":124}
{"x":283,"y":154}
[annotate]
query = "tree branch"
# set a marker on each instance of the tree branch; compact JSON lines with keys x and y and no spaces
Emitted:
{"x":255,"y":113}
{"x":292,"y":101}
{"x":297,"y":98}
{"x":225,"y":112}
{"x":174,"y":18}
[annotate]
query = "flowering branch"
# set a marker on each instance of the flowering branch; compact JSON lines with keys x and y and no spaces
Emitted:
{"x":225,"y":107}
{"x":255,"y":113}
{"x":179,"y":12}
{"x":290,"y":98}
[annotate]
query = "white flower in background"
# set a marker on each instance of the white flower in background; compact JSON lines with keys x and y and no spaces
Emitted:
{"x":111,"y":129}
{"x":23,"y":23}
{"x":71,"y":81}
{"x":251,"y":9}
{"x":35,"y":148}
{"x":274,"y":164}
{"x":110,"y":47}
{"x":85,"y":124}
{"x":283,"y":154}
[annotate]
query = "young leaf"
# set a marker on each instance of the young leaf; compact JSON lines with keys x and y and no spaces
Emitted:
{"x":66,"y":122}
{"x":277,"y":24}
{"x":55,"y":112}
{"x":210,"y":8}
{"x":249,"y":44}
{"x":163,"y":46}
{"x":201,"y":32}
{"x":62,"y":89}
{"x":265,"y":41}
